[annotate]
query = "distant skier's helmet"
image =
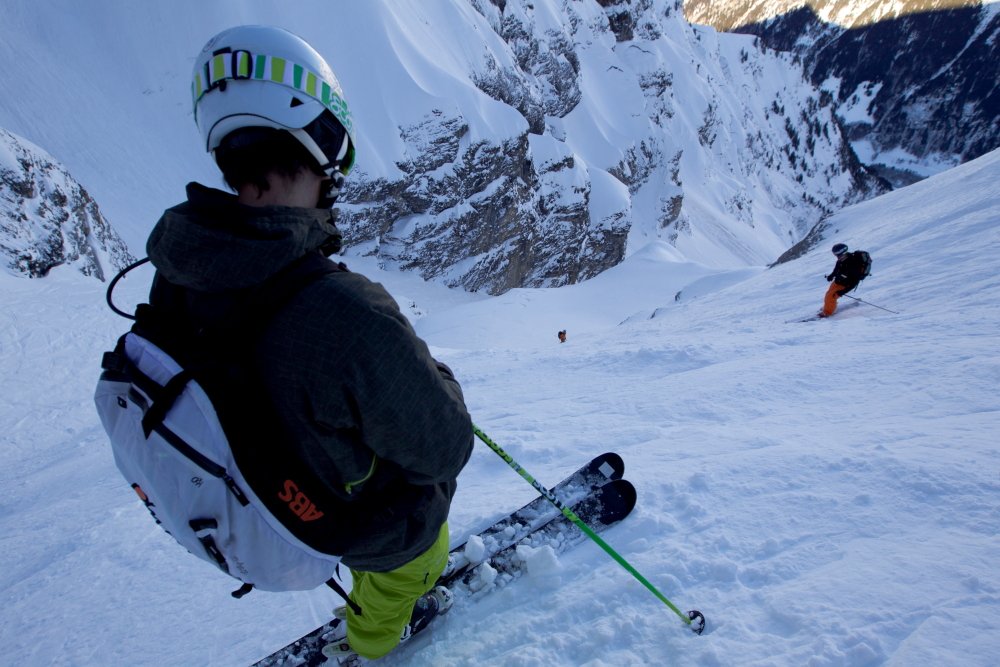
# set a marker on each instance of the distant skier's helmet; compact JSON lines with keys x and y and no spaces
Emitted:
{"x":260,"y":76}
{"x":839,"y":249}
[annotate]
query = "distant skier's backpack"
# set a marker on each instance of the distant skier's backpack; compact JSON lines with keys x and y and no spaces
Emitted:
{"x":853,"y":268}
{"x":864,"y":263}
{"x":196,"y":438}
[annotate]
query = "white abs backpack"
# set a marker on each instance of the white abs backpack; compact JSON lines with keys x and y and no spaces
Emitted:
{"x":193,"y":438}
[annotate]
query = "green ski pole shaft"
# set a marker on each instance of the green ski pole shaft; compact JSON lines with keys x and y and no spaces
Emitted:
{"x":689,"y":618}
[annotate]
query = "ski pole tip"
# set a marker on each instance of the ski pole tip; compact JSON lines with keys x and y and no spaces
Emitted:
{"x":697,"y":623}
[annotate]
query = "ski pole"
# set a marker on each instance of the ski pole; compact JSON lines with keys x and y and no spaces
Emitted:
{"x":694,"y":618}
{"x":871,"y":304}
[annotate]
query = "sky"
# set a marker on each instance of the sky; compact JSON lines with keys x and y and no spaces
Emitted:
{"x":827,"y":493}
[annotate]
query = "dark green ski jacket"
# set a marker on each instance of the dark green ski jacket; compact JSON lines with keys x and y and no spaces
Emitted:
{"x":367,"y":407}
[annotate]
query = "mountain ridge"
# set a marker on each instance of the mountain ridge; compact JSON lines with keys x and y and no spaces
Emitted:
{"x":911,"y":80}
{"x":500,"y":144}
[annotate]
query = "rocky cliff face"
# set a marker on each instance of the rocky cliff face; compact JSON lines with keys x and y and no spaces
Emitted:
{"x":636,"y":127}
{"x":523,"y":143}
{"x":47,"y":219}
{"x":914,"y":81}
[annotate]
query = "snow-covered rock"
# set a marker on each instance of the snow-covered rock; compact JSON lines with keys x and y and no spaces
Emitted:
{"x":631,"y":126}
{"x":47,"y":219}
{"x":914,"y":80}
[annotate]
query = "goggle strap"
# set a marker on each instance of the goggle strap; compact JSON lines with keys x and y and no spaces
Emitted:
{"x":241,"y":64}
{"x":343,"y":149}
{"x":324,"y":162}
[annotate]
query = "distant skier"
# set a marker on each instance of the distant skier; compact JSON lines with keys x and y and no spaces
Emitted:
{"x":851,"y":269}
{"x":562,"y":336}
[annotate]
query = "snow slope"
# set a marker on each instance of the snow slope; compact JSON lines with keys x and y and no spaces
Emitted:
{"x":827,"y":493}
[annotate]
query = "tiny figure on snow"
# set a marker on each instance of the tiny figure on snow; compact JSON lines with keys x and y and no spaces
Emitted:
{"x":851,"y":268}
{"x":562,"y":336}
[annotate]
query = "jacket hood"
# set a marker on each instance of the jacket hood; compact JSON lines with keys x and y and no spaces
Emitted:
{"x":213,"y":243}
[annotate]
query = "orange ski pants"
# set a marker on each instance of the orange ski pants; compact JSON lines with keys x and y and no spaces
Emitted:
{"x":830,"y":300}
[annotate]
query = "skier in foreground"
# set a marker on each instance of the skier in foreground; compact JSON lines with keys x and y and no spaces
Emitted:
{"x":364,"y":404}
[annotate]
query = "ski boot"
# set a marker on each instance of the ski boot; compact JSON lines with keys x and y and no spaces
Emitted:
{"x":435,"y":602}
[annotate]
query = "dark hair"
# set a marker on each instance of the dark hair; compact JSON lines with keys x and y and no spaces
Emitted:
{"x":246,"y":156}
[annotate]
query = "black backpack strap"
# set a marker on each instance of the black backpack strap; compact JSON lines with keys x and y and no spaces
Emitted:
{"x":339,"y":590}
{"x":245,"y":317}
{"x":256,"y":307}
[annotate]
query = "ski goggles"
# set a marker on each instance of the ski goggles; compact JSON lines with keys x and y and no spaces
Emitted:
{"x":329,"y":143}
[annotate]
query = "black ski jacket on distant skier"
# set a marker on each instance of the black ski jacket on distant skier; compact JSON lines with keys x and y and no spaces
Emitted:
{"x":849,"y":271}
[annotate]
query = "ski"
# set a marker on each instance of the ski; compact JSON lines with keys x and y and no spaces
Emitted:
{"x":307,"y":650}
{"x":817,"y":316}
{"x":535,"y":514}
{"x":604,"y":508}
{"x":498,"y":538}
{"x":811,"y":318}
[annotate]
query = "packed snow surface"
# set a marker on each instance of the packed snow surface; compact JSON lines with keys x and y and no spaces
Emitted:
{"x":826,"y":493}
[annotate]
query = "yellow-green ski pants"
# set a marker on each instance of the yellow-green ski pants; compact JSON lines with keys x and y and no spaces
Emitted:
{"x":387,"y":598}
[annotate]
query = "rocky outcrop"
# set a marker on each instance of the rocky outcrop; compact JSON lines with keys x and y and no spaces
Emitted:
{"x":47,"y":219}
{"x":636,"y":127}
{"x":505,"y":215}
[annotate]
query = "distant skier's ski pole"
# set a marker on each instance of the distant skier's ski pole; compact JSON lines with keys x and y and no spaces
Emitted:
{"x":871,"y":304}
{"x":694,"y":618}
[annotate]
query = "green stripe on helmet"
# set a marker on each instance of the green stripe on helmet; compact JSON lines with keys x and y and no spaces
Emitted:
{"x":278,"y":69}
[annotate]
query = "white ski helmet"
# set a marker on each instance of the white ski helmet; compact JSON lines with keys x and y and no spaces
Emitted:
{"x":261,"y":76}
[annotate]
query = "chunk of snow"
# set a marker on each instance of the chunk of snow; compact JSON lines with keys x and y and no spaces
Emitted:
{"x":475,"y":550}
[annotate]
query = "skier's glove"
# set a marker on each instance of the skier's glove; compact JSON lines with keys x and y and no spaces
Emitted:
{"x":829,"y":277}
